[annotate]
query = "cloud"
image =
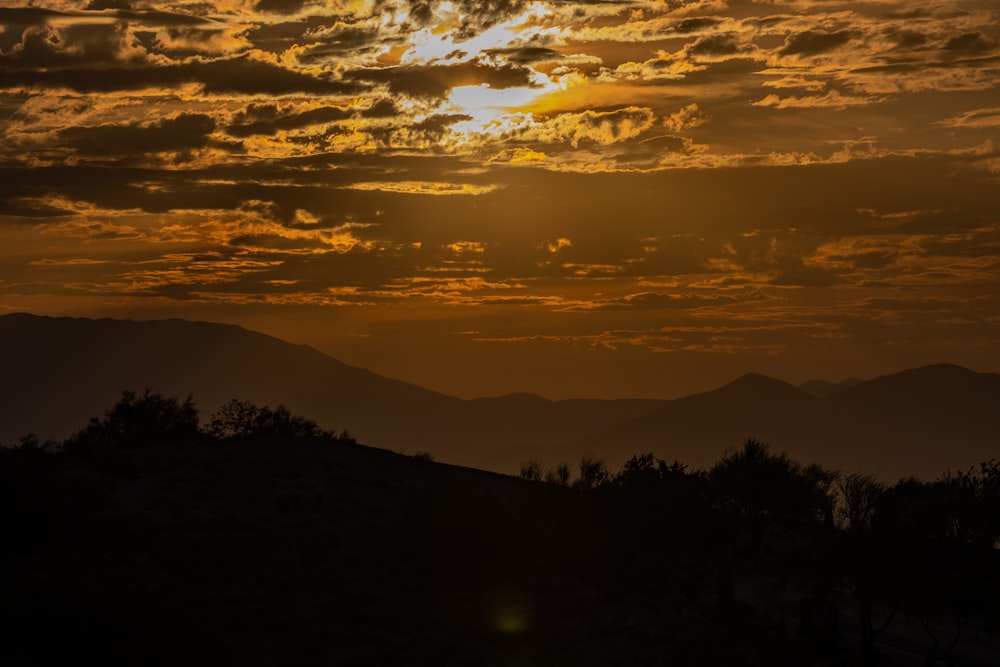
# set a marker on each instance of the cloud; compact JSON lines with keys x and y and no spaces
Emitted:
{"x":970,"y":42}
{"x":976,"y":119}
{"x":600,"y":127}
{"x":673,"y":300}
{"x":305,"y":153}
{"x":832,"y":99}
{"x":108,"y":4}
{"x":280,"y":6}
{"x":241,"y":75}
{"x":74,"y":46}
{"x":436,"y":80}
{"x":812,"y":43}
{"x":184,"y":132}
{"x":719,"y":47}
{"x":266,"y":119}
{"x":685,"y":119}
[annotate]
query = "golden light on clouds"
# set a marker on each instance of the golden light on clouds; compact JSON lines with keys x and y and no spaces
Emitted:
{"x":654,"y":180}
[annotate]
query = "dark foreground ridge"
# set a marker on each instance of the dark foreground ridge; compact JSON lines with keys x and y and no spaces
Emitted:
{"x":258,"y":539}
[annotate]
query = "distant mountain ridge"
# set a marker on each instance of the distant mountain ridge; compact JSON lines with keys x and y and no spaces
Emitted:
{"x":824,"y":388}
{"x":920,"y":422}
{"x":60,"y":371}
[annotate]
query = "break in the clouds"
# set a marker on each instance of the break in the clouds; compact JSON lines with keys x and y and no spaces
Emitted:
{"x":579,"y":182}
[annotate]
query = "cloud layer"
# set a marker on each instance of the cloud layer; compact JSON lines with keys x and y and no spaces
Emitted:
{"x":698,"y":180}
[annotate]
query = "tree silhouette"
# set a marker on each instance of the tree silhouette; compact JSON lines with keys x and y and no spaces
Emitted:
{"x":859,"y":498}
{"x":860,"y":513}
{"x":763,"y":489}
{"x":139,"y":420}
{"x":953,"y":542}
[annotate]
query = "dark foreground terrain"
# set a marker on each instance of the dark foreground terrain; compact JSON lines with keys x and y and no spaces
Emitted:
{"x":319,"y":551}
{"x":281,"y":553}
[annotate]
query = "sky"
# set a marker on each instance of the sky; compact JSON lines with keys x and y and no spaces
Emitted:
{"x":577,"y":199}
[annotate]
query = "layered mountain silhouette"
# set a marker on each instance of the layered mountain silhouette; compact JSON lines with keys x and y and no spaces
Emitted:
{"x":918,"y":422}
{"x":59,"y":372}
{"x":824,"y":388}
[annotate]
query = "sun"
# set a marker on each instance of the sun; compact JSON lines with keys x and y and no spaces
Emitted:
{"x":444,"y":43}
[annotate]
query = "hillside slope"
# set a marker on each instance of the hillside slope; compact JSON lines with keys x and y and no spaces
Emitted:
{"x":59,"y":372}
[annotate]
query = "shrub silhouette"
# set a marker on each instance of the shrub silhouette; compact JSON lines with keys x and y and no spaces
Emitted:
{"x":240,"y":420}
{"x":593,"y":473}
{"x":531,"y":471}
{"x":139,"y":420}
{"x":558,"y":475}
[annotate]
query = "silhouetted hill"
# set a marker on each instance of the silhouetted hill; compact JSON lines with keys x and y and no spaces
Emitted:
{"x":916,"y":422}
{"x":824,"y":388}
{"x":696,"y":429}
{"x":919,"y":420}
{"x":275,"y":552}
{"x":60,"y":371}
{"x":63,"y":370}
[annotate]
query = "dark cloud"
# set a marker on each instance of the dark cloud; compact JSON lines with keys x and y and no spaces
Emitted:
{"x":792,"y":271}
{"x":421,"y":11}
{"x":73,"y":46}
{"x":439,"y":122}
{"x":108,"y":4}
{"x":527,"y":54}
{"x":381,"y":109}
{"x":876,"y":259}
{"x":478,"y":15}
{"x":429,"y":130}
{"x":811,"y":43}
{"x":344,"y":38}
{"x":280,"y":35}
{"x":273,"y":242}
{"x":31,"y":208}
{"x":185,"y":132}
{"x":719,"y":45}
{"x":970,"y":42}
{"x":695,"y":24}
{"x":668,"y":300}
{"x":27,"y":15}
{"x":437,"y":80}
{"x":280,"y":6}
{"x":240,"y":75}
{"x":276,"y":123}
{"x":907,"y":39}
{"x":24,"y":16}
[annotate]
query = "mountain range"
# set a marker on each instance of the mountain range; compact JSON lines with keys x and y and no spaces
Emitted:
{"x":59,"y":372}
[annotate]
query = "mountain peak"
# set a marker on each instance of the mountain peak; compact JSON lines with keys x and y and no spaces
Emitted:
{"x":756,"y":382}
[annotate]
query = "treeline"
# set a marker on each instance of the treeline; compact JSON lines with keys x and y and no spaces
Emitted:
{"x":856,"y":546}
{"x":862,"y":557}
{"x":151,"y":419}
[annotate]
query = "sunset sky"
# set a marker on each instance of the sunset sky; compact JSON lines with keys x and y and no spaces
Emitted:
{"x":571,"y":198}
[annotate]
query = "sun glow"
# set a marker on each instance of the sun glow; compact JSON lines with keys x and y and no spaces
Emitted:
{"x":443,"y":43}
{"x":488,"y":105}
